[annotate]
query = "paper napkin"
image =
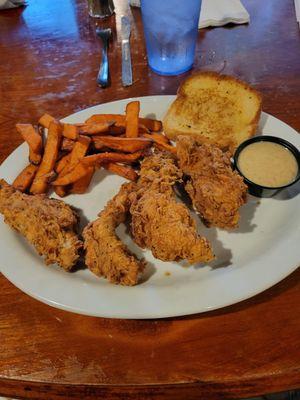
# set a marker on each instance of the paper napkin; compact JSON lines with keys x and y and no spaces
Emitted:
{"x":217,"y":12}
{"x":11,"y":3}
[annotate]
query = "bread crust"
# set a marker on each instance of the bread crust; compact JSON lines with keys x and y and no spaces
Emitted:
{"x":177,"y":111}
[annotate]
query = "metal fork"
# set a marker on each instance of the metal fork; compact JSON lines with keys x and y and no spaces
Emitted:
{"x":104,"y":35}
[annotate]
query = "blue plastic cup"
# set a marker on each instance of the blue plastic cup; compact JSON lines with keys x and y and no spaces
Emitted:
{"x":170,"y":28}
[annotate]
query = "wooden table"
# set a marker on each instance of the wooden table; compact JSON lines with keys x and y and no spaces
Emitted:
{"x":49,"y":61}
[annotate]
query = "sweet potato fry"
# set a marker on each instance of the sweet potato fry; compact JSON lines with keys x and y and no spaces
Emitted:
{"x":96,"y":128}
{"x":106,"y":157}
{"x":61,"y":191}
{"x":34,"y":158}
{"x":34,"y":141}
{"x":151,"y":124}
{"x":70,"y":131}
{"x":98,"y":144}
{"x":132,"y":119}
{"x":116,"y":130}
{"x":31,"y":136}
{"x":51,"y":176}
{"x":67,"y":144}
{"x":82,"y":184}
{"x":143,"y":129}
{"x":126,"y":145}
{"x":25,"y":178}
{"x":102,"y":118}
{"x":156,"y":137}
{"x":78,"y":152}
{"x":45,"y":120}
{"x":40,"y":181}
{"x":160,"y":143}
{"x":60,"y":165}
{"x":74,"y":175}
{"x":122,"y":170}
{"x":167,"y":147}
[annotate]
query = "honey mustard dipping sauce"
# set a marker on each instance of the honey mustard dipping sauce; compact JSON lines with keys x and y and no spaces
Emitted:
{"x":268,"y":164}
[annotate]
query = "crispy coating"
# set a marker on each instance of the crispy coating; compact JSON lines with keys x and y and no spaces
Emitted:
{"x":159,"y":223}
{"x":48,"y":224}
{"x":217,"y":192}
{"x":106,"y":255}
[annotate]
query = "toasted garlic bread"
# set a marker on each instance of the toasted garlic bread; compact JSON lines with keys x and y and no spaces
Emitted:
{"x":214,"y":108}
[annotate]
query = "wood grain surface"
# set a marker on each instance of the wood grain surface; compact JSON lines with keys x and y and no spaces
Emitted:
{"x":49,"y":62}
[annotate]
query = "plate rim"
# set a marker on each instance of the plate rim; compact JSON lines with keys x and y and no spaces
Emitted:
{"x":148,"y":315}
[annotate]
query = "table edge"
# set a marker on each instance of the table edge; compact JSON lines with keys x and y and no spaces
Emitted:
{"x":227,"y":389}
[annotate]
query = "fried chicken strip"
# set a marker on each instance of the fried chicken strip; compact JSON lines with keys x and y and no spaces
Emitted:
{"x":106,"y":255}
{"x":217,"y":192}
{"x":48,"y":224}
{"x":159,"y":223}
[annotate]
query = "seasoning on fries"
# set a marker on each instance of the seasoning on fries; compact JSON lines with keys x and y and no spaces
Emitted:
{"x":40,"y":181}
{"x":74,"y":175}
{"x":34,"y":141}
{"x":122,"y":170}
{"x":60,"y":165}
{"x":78,"y":152}
{"x":81,"y":186}
{"x":101,"y":158}
{"x":120,"y":120}
{"x":126,"y":145}
{"x":70,"y":131}
{"x":154,"y":136}
{"x":25,"y":178}
{"x":61,"y":191}
{"x":73,"y":152}
{"x":45,"y":120}
{"x":95,"y":129}
{"x":132,"y":119}
{"x":161,"y":142}
{"x":67,"y":144}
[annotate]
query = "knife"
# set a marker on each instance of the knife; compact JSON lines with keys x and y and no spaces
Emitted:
{"x":126,"y":58}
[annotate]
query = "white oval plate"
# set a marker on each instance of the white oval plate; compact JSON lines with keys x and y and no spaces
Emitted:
{"x":263,"y":251}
